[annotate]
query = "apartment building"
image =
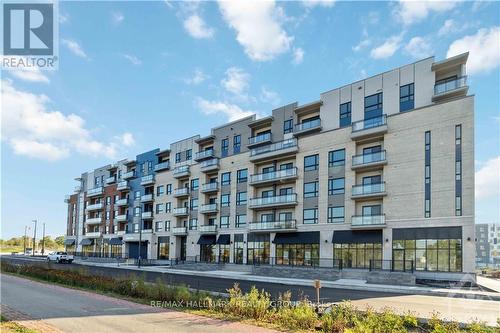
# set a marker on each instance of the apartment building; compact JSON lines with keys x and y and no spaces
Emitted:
{"x":488,"y":244}
{"x":361,"y":177}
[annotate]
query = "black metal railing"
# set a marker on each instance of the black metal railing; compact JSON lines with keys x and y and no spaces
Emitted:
{"x":297,"y":262}
{"x":392,"y":265}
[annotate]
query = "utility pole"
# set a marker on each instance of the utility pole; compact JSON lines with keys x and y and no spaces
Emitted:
{"x":140,"y":244}
{"x":34,"y":237}
{"x":25,"y":231}
{"x":43,"y":239}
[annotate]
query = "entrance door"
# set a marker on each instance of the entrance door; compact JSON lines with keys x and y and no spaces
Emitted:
{"x":183,"y":248}
{"x":133,"y":250}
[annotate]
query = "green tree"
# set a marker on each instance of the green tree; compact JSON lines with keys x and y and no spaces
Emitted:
{"x":59,"y":241}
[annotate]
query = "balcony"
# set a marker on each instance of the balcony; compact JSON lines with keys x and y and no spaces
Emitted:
{"x":368,"y":191}
{"x":209,"y":165}
{"x":307,"y":127}
{"x":367,"y":221}
{"x":128,"y":175}
{"x":123,"y":186}
{"x":181,"y":192}
{"x":78,"y":188}
{"x":121,"y":202}
{"x":147,"y":215}
{"x":94,"y":234}
{"x":204,"y":154}
{"x":369,"y":128}
{"x":290,"y":225}
{"x":110,"y":180}
{"x":147,"y":198}
{"x":208,"y":208}
{"x":180,"y":211}
{"x":147,"y":180}
{"x":276,"y":201}
{"x":279,"y":176}
{"x":208,"y":229}
{"x":121,"y":218}
{"x":94,"y":220}
{"x":95,"y":206}
{"x":282,"y":148}
{"x":370,"y":161}
{"x":181,"y":171}
{"x":121,"y":232}
{"x":210,"y":187}
{"x":179,"y":231}
{"x":95,"y":192}
{"x":450,"y":88}
{"x":259,"y":139}
{"x":162,"y":166}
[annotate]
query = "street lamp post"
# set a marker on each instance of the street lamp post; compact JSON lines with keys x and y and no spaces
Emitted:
{"x":34,"y":237}
{"x":25,"y":231}
{"x":140,"y":244}
{"x":43,"y":239}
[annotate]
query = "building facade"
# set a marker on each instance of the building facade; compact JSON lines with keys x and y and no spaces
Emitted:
{"x":361,"y":178}
{"x":488,"y":244}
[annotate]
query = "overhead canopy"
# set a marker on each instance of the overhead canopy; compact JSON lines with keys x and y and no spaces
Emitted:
{"x":206,"y":240}
{"x":164,"y":239}
{"x":310,"y":237}
{"x":115,"y":241}
{"x":87,"y":241}
{"x":224,"y":239}
{"x":358,"y":236}
{"x":427,"y":233}
{"x":69,"y":242}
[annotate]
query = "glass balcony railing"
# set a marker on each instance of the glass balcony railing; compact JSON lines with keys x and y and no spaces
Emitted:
{"x":360,"y":190}
{"x":149,"y":179}
{"x":265,"y":137}
{"x":123,"y":185}
{"x":181,"y":191}
{"x":147,"y":197}
{"x":128,"y":175}
{"x":95,"y":191}
{"x":180,"y":211}
{"x":275,"y":147}
{"x":95,"y":206}
{"x":369,"y":123}
{"x":179,"y":230}
{"x":271,"y":225}
{"x":306,"y":125}
{"x":367,"y":220}
{"x":110,"y":180}
{"x":147,"y":215}
{"x":208,"y":208}
{"x":210,"y":187}
{"x":209,"y":163}
{"x":276,"y":200}
{"x":204,"y":154}
{"x":449,"y":85}
{"x":368,"y":158}
{"x":162,"y":166}
{"x":274,"y":175}
{"x":208,"y":228}
{"x":181,"y":169}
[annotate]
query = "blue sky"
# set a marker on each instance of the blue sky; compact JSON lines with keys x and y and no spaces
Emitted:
{"x":139,"y":75}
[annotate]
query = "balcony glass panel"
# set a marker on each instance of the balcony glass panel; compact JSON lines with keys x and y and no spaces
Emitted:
{"x":204,"y":154}
{"x":162,"y":166}
{"x":368,"y":189}
{"x":259,"y":138}
{"x":308,"y":124}
{"x":367,"y":220}
{"x":210,"y":186}
{"x":449,"y":85}
{"x":181,"y":169}
{"x":269,"y":225}
{"x":207,"y":163}
{"x":274,"y":175}
{"x":368,"y":158}
{"x":290,"y":143}
{"x":289,"y":198}
{"x":369,"y":123}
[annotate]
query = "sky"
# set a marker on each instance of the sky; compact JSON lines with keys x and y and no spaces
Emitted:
{"x":134,"y":76}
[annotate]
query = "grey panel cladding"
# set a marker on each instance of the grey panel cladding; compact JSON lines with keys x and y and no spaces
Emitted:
{"x":241,"y":187}
{"x":241,"y":209}
{"x":336,"y":200}
{"x":310,"y":202}
{"x":225,"y":189}
{"x":229,"y":131}
{"x":336,"y":171}
{"x":280,"y":115}
{"x":311,"y":176}
{"x":225,"y":211}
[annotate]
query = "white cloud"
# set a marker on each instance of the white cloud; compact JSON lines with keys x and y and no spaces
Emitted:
{"x":63,"y":18}
{"x":488,"y":179}
{"x":117,"y":17}
{"x":298,"y":56}
{"x":410,"y":11}
{"x":133,"y":59}
{"x":127,"y":139}
{"x":258,"y":26}
{"x":231,"y":111}
{"x":197,"y":28}
{"x":33,"y":129}
{"x":418,"y":47}
{"x":483,"y":48}
{"x":361,"y":45}
{"x":269,"y":96}
{"x":236,"y":80}
{"x":387,"y":49}
{"x":33,"y":74}
{"x":448,"y":27}
{"x":318,"y":3}
{"x":197,"y":78}
{"x":74,"y":47}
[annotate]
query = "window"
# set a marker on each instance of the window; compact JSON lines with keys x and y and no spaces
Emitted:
{"x":194,"y":204}
{"x":241,"y":221}
{"x":160,"y":190}
{"x":195,"y":184}
{"x":107,"y":215}
{"x":311,"y":216}
{"x":311,"y":162}
{"x":406,"y":97}
{"x":372,"y":210}
{"x":288,"y":126}
{"x":286,"y":191}
{"x":345,"y":114}
{"x":177,"y":157}
{"x":108,"y":201}
{"x":159,"y":208}
{"x":224,"y":222}
{"x":242,"y":176}
{"x":135,"y":227}
{"x":193,"y":224}
{"x":189,"y":154}
{"x":236,"y":144}
{"x":137,"y":211}
{"x":225,"y":178}
{"x":336,"y":186}
{"x":285,"y":216}
{"x":224,"y":200}
{"x":286,"y":166}
{"x":427,"y":170}
{"x":169,"y":189}
{"x":137,"y":194}
{"x":373,"y":106}
{"x":267,"y":194}
{"x":458,"y":170}
{"x":336,"y":158}
{"x":168,"y":207}
{"x":241,"y":198}
{"x":158,"y":226}
{"x":224,"y":147}
{"x":336,"y":214}
{"x":311,"y":189}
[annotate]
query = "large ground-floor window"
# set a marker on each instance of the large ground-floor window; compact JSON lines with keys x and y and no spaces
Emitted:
{"x":297,"y":254}
{"x":208,"y":252}
{"x":258,"y":249}
{"x":163,"y":251}
{"x":116,"y":251}
{"x":357,"y":255}
{"x":238,"y":248}
{"x":70,"y":249}
{"x":443,"y":255}
{"x":88,"y":249}
{"x":224,"y":252}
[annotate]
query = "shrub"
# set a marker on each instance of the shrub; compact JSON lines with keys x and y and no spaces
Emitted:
{"x":300,"y":316}
{"x":341,"y":317}
{"x":253,"y":304}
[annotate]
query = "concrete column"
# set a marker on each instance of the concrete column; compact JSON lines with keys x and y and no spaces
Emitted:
{"x":326,"y":249}
{"x":245,"y":248}
{"x":231,"y":249}
{"x":272,"y":247}
{"x":387,"y":246}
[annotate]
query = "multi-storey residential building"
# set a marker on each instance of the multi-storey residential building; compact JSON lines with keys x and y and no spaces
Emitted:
{"x":360,"y":177}
{"x":488,"y":244}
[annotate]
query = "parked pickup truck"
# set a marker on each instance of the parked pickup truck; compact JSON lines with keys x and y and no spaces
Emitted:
{"x":60,"y":257}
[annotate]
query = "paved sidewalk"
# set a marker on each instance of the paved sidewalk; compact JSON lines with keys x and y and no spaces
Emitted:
{"x":350,"y":284}
{"x":492,"y":284}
